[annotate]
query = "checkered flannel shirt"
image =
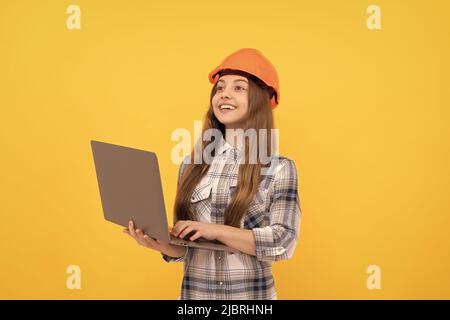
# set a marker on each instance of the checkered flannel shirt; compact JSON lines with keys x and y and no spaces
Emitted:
{"x":273,"y":216}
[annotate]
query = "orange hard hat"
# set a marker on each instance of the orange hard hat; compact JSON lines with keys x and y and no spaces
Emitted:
{"x":253,"y":62}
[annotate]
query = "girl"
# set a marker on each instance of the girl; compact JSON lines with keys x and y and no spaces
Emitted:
{"x":229,"y":199}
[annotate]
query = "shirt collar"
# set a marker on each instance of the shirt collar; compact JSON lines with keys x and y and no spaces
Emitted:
{"x":225,"y":146}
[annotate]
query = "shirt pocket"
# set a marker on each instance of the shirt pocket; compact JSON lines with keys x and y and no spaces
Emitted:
{"x":201,"y":201}
{"x":257,"y":214}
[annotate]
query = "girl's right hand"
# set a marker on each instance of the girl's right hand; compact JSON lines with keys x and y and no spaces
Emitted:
{"x":146,"y":241}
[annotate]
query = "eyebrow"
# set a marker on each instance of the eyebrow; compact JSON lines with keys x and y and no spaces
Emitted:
{"x":234,"y":80}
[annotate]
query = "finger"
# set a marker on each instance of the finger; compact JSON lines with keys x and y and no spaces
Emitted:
{"x":140,"y":234}
{"x":185,"y":231}
{"x":131,"y":228}
{"x":179,"y":227}
{"x":197,"y":235}
{"x":126,"y":231}
{"x":140,"y":239}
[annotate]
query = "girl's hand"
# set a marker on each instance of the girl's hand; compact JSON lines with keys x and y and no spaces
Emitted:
{"x":204,"y":230}
{"x":146,"y":241}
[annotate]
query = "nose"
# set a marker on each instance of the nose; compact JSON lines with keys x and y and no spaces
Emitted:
{"x":225,"y":94}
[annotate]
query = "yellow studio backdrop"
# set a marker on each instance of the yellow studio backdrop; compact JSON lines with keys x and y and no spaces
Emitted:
{"x":364,"y":113}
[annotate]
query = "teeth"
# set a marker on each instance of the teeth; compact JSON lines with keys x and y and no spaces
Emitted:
{"x":227,"y":106}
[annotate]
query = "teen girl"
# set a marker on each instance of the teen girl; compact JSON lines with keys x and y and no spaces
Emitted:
{"x":231,"y":201}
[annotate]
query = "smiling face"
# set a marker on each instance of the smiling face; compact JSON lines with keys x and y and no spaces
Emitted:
{"x":230,"y":102}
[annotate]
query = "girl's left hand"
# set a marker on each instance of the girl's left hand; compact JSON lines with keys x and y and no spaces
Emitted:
{"x":208,"y":231}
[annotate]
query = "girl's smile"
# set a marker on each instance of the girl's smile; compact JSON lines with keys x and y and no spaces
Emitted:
{"x":225,"y":108}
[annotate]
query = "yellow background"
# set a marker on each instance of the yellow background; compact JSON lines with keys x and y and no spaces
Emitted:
{"x":363,"y":113}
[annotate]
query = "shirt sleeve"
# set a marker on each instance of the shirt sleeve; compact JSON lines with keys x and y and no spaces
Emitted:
{"x":173,"y":259}
{"x":278,"y":240}
{"x":180,"y":174}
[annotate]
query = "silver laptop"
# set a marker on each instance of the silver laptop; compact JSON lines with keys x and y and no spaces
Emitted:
{"x":130,"y":189}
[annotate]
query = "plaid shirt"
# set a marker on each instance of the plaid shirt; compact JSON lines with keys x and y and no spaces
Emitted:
{"x":273,"y":216}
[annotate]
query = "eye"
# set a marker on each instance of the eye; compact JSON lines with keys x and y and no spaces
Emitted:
{"x":218,"y":88}
{"x":239,"y":88}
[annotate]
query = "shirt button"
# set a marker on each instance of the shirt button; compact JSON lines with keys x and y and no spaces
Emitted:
{"x":220,"y":257}
{"x":221,"y":283}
